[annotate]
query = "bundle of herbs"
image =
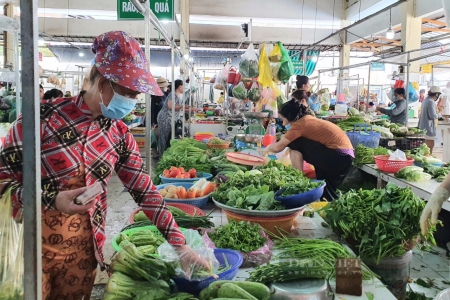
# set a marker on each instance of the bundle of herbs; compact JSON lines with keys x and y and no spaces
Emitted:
{"x":380,"y":223}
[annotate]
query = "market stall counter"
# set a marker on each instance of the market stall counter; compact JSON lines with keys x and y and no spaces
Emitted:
{"x":311,"y":228}
{"x":421,"y":189}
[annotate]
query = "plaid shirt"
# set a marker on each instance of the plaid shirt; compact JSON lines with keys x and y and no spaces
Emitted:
{"x":70,"y":138}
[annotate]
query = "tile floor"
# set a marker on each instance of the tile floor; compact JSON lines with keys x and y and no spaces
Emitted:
{"x":426,"y":265}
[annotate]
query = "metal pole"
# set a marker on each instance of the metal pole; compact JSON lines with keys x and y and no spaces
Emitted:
{"x":368,"y":87}
{"x":148,"y":98}
{"x":173,"y":88}
{"x":183,"y":103}
{"x":31,"y":152}
{"x":17,"y":74}
{"x":407,"y":79}
{"x":432,"y":75}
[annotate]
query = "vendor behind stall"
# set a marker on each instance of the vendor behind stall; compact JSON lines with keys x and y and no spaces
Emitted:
{"x":397,"y":111}
{"x":321,"y":143}
{"x":304,"y":85}
{"x":428,"y":116}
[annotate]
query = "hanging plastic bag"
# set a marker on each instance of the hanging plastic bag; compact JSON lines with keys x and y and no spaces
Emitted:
{"x":222,"y":79}
{"x":281,"y":99}
{"x":251,"y":259}
{"x":286,"y":67}
{"x":254,"y":94}
{"x":399,"y":84}
{"x":413,"y":96}
{"x":265,"y":73}
{"x":275,"y":55}
{"x":195,"y":241}
{"x":11,"y":252}
{"x":249,"y":63}
{"x":268,"y":102}
{"x":240,"y":92}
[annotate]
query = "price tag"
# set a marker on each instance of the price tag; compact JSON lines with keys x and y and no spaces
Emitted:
{"x":391,"y":143}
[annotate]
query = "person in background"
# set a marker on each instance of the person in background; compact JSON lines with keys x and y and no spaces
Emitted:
{"x":221,"y":99}
{"x":299,"y":96}
{"x":398,"y":111}
{"x":321,"y":143}
{"x":53,"y":94}
{"x":428,"y":116}
{"x":84,"y":142}
{"x":169,"y":90}
{"x":421,"y":95}
{"x":68,"y":94}
{"x":446,"y":100}
{"x":41,"y":92}
{"x":158,"y":101}
{"x":165,"y":116}
{"x":303,"y":84}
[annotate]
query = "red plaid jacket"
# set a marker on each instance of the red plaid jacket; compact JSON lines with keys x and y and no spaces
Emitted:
{"x":69,"y":138}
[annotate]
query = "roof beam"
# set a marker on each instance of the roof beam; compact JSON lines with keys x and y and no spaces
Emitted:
{"x":439,"y":23}
{"x":392,"y":42}
{"x":424,"y":29}
{"x":372,"y":44}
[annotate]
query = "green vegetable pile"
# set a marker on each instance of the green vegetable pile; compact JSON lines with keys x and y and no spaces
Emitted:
{"x":364,"y":155}
{"x":227,"y":290}
{"x":183,"y":219}
{"x":380,"y":222}
{"x":349,"y":123}
{"x":239,"y":92}
{"x":135,"y":273}
{"x":413,"y":174}
{"x":437,"y":173}
{"x":248,"y":197}
{"x":216,"y":141}
{"x":128,"y":118}
{"x":254,"y":190}
{"x":146,"y":241}
{"x":422,"y":155}
{"x":254,"y":94}
{"x":152,"y":296}
{"x":186,"y":153}
{"x":249,"y":68}
{"x":303,"y":258}
{"x":302,"y":186}
{"x":241,"y":236}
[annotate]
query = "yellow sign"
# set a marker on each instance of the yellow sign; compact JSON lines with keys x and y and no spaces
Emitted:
{"x":426,"y":69}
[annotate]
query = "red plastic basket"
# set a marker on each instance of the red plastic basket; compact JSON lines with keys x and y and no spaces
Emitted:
{"x":391,"y":166}
{"x":189,"y":209}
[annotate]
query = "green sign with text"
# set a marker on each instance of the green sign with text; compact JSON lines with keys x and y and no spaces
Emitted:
{"x":163,"y":10}
{"x":298,"y":65}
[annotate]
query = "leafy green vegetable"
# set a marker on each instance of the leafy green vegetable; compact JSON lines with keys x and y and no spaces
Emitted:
{"x":254,"y":94}
{"x":302,"y":186}
{"x":249,"y":68}
{"x":364,"y":155}
{"x":242,"y":236}
{"x":413,"y":174}
{"x":380,"y":222}
{"x":370,"y":296}
{"x":239,"y":92}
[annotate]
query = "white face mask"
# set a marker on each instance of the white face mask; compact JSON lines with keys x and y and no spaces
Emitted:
{"x":164,"y":89}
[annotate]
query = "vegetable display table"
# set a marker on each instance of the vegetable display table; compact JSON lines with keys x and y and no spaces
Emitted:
{"x":421,"y":189}
{"x":213,"y":128}
{"x":316,"y":231}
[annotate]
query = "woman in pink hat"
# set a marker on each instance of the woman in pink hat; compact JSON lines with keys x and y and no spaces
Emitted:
{"x":83,"y":142}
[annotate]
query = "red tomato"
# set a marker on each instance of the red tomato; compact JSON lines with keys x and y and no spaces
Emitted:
{"x":166,"y":173}
{"x":181,"y":169}
{"x":179,"y":176}
{"x":186,"y":175}
{"x":193,"y":173}
{"x":174,"y":173}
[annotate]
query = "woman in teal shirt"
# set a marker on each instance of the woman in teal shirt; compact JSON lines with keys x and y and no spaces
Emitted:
{"x":303,"y":84}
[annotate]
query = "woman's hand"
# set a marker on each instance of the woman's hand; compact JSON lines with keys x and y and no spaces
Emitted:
{"x":65,"y":202}
{"x":190,"y":258}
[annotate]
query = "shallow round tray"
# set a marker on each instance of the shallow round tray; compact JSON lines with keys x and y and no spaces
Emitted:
{"x":259,"y":213}
{"x":256,"y":115}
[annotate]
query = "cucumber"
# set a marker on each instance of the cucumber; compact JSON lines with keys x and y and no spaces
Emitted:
{"x":205,"y":294}
{"x":177,"y":212}
{"x":227,"y":299}
{"x":230,"y":290}
{"x":257,"y":290}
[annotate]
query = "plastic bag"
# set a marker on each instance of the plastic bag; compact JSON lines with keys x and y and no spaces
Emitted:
{"x":195,"y":241}
{"x":397,"y":155}
{"x":265,"y":73}
{"x":249,"y":63}
{"x":254,"y":94}
{"x":275,"y":55}
{"x":281,"y":99}
{"x":240,"y":92}
{"x":268,"y":102}
{"x":11,"y":252}
{"x":286,"y":67}
{"x":251,"y":259}
{"x":221,"y":82}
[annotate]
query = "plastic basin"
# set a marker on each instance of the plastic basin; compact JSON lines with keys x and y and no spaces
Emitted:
{"x":233,"y":258}
{"x":302,"y":199}
{"x":200,"y":175}
{"x":197,"y":202}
